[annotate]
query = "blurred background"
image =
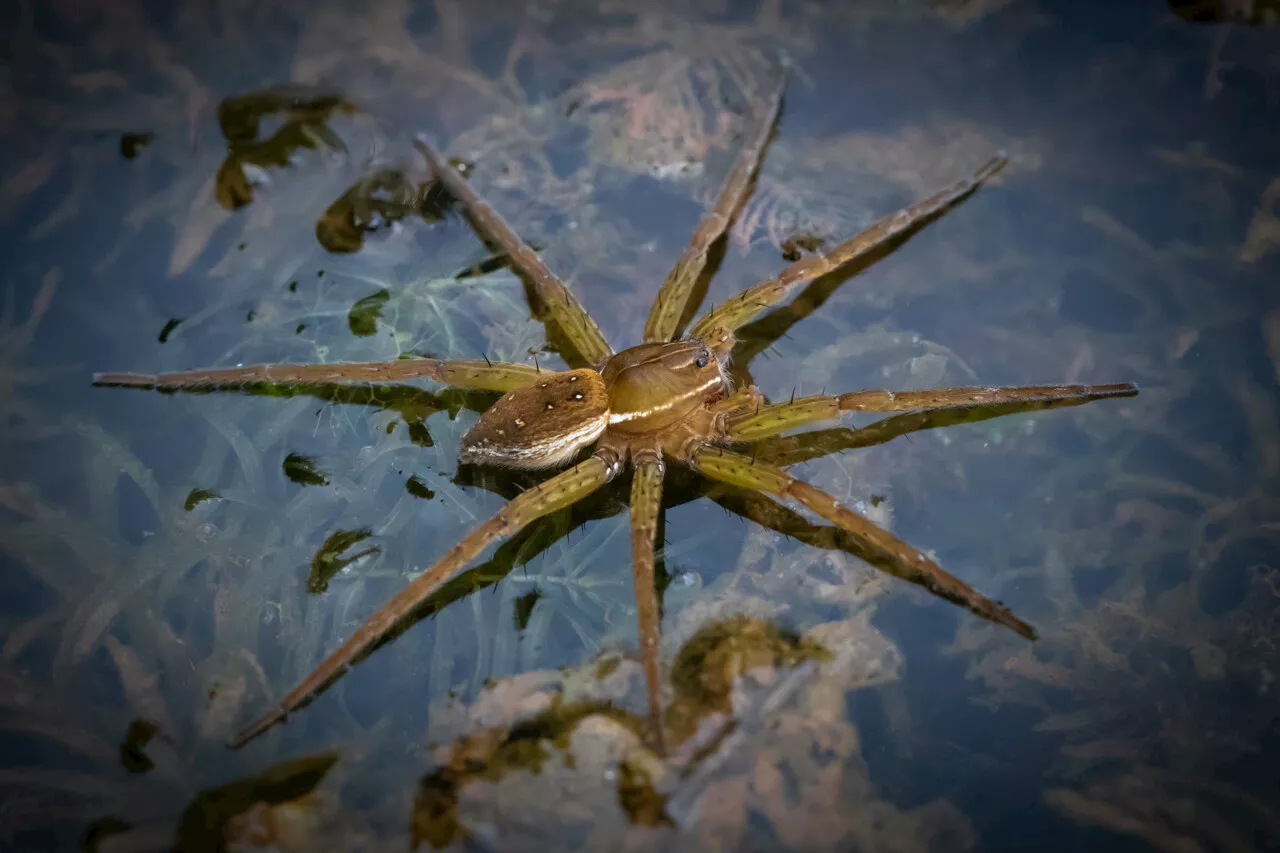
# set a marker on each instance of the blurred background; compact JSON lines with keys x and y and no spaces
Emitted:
{"x":210,"y":184}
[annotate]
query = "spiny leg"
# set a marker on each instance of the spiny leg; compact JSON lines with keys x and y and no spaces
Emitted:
{"x":747,"y":305}
{"x":776,"y":418}
{"x":672,"y":299}
{"x":557,"y":493}
{"x":768,"y":513}
{"x":568,"y":314}
{"x":474,"y":375}
{"x":763,"y":333}
{"x":741,"y":471}
{"x":805,"y":446}
{"x":646,"y":504}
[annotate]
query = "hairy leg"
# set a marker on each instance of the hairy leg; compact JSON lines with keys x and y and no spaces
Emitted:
{"x":738,"y":470}
{"x":803,"y":447}
{"x":474,"y":375}
{"x":646,"y":504}
{"x":777,"y":418}
{"x":747,"y":305}
{"x":569,"y":315}
{"x":672,"y":300}
{"x":560,"y":491}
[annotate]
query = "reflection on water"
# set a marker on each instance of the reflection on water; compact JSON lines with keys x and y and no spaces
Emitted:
{"x":173,"y":562}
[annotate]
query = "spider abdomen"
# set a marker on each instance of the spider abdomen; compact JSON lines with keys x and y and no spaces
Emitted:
{"x":541,"y":425}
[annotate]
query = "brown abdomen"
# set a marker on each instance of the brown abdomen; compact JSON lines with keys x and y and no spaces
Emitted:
{"x":542,"y":425}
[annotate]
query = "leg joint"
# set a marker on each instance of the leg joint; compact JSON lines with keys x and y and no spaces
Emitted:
{"x":650,"y":455}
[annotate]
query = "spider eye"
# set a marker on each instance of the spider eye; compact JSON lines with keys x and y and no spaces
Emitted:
{"x":703,"y":359}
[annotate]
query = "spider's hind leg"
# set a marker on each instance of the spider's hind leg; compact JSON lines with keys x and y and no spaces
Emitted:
{"x":646,"y":505}
{"x":562,"y":490}
{"x":885,"y":548}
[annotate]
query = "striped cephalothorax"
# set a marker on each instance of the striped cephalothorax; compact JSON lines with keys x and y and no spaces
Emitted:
{"x":654,"y":386}
{"x":666,"y":399}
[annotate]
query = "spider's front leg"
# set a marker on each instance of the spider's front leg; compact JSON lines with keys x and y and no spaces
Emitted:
{"x":482,"y":375}
{"x":746,"y":306}
{"x":673,"y":297}
{"x":568,"y":314}
{"x":740,"y":402}
{"x":774,"y":419}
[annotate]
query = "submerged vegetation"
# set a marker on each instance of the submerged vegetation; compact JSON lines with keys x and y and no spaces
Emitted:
{"x":170,"y":562}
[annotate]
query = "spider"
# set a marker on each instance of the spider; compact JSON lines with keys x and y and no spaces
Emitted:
{"x":666,"y":400}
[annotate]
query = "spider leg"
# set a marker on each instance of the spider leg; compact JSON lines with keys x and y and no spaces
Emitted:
{"x":557,"y":493}
{"x":793,"y":449}
{"x":741,"y":471}
{"x":745,"y":399}
{"x":672,"y":300}
{"x":475,"y":375}
{"x":646,"y":504}
{"x":569,"y":315}
{"x":762,"y":510}
{"x":747,"y":305}
{"x":773,"y":419}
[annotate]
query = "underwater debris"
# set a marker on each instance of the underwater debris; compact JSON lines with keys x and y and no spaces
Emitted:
{"x":375,"y":202}
{"x":132,"y":144}
{"x":329,"y":559}
{"x":303,"y":471}
{"x":363,"y":317}
{"x":132,"y":749}
{"x":306,"y":114}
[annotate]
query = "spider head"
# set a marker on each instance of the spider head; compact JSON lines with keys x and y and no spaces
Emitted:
{"x":655,"y":385}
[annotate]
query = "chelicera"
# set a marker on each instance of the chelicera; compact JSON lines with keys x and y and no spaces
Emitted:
{"x":666,"y":400}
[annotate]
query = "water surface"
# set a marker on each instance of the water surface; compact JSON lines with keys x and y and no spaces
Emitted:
{"x":174,"y":563}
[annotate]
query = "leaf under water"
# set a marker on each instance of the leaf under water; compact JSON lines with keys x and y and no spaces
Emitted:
{"x":363,"y":317}
{"x":328,"y":561}
{"x":302,"y":470}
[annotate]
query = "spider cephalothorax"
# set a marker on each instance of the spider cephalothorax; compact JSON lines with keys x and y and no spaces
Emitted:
{"x":644,"y":395}
{"x":665,"y":399}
